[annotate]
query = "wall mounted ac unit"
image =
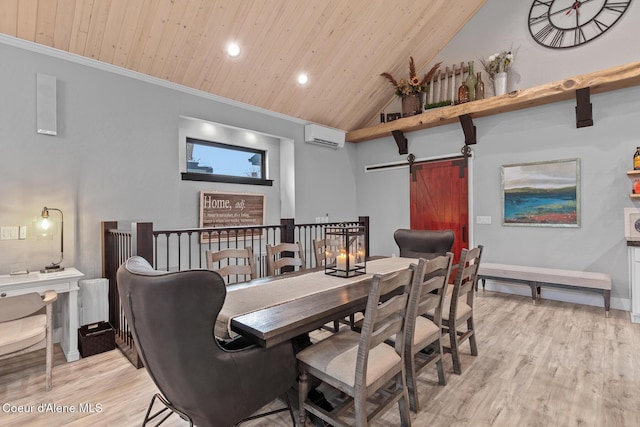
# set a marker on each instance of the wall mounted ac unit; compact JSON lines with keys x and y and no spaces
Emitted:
{"x":321,"y":135}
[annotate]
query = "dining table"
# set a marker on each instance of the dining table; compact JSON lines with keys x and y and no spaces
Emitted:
{"x":272,"y":310}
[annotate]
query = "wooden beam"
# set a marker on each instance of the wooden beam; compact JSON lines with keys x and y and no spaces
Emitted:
{"x":601,"y":81}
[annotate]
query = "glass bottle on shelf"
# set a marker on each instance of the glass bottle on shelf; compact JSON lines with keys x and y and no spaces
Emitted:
{"x":479,"y":87}
{"x":463,"y":93}
{"x":636,"y":159}
{"x":471,"y":82}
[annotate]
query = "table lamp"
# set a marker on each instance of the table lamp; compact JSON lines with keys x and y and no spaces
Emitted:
{"x":54,"y":266}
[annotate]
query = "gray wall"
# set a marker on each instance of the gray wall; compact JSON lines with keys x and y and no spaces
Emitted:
{"x":116,"y":156}
{"x":536,"y":134}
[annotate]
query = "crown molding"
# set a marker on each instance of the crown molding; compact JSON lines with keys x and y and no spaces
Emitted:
{"x":110,"y":68}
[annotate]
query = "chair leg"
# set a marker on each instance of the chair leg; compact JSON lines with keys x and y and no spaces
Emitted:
{"x":167,"y":407}
{"x":48,"y":362}
{"x":412,"y":385}
{"x":275,"y":411}
{"x":360,"y":408}
{"x":48,"y":348}
{"x":472,"y":337}
{"x":303,"y":389}
{"x":453,"y":338}
{"x":403,"y":403}
{"x":440,"y":366}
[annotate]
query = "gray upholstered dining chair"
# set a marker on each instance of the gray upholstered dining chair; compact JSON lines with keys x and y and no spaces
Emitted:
{"x":171,"y":317}
{"x":276,"y":259}
{"x":361,"y":364}
{"x":425,"y":244}
{"x":24,"y":328}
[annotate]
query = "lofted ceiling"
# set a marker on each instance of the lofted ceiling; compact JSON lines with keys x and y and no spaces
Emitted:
{"x":343,"y":45}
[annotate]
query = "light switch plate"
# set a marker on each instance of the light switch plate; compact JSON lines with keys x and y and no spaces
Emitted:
{"x":8,"y":233}
{"x":483,"y":220}
{"x":22,"y":233}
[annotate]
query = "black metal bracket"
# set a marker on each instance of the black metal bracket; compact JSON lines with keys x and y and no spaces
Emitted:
{"x":468,"y":128}
{"x":401,"y":141}
{"x":584,"y":115}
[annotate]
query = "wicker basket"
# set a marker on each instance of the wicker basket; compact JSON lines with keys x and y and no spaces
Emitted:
{"x":96,"y":338}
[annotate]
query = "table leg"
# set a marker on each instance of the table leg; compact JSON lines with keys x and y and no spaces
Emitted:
{"x":607,"y":302}
{"x":70,"y":329}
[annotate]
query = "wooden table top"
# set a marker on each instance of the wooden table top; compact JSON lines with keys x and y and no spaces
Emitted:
{"x":273,"y":325}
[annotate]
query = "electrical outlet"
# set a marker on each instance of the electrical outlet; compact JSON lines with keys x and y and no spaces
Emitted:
{"x":483,"y":220}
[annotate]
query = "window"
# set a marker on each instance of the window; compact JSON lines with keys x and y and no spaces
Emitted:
{"x":214,"y":161}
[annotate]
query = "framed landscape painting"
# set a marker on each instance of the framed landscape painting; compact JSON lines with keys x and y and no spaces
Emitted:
{"x":541,"y":194}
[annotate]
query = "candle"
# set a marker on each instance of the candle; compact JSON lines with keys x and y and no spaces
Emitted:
{"x":341,"y":261}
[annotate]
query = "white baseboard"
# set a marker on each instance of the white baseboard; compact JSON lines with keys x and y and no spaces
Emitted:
{"x":556,"y":294}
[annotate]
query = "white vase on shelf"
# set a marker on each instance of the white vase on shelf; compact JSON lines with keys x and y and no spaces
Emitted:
{"x":500,"y":83}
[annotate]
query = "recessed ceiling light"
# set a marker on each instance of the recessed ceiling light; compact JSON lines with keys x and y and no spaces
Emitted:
{"x":303,"y":79}
{"x":233,"y":49}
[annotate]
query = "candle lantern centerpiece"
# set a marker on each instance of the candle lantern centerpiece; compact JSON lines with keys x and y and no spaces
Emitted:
{"x":347,"y":246}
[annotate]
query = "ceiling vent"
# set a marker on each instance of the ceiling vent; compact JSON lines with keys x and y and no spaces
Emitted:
{"x":321,"y":135}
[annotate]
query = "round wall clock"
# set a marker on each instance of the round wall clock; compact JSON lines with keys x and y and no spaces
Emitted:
{"x":560,"y":24}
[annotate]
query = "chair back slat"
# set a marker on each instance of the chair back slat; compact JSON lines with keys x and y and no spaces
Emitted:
{"x":244,"y":264}
{"x":428,"y":295}
{"x":324,"y":247}
{"x":275,"y":260}
{"x":467,"y":276}
{"x":384,"y":315}
{"x":431,"y":291}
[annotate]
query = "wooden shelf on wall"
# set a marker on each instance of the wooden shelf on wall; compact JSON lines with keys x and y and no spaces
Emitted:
{"x":601,"y":81}
{"x":634,"y":174}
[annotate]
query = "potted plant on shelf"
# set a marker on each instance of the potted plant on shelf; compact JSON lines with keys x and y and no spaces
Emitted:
{"x":497,"y":67}
{"x":411,"y":90}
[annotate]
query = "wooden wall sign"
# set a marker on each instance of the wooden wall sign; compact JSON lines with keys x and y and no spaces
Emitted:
{"x":218,"y":209}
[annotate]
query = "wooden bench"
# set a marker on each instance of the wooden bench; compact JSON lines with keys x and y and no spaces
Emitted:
{"x":536,"y":277}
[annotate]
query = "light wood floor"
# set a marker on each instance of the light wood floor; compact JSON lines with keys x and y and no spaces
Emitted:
{"x":554,"y":364}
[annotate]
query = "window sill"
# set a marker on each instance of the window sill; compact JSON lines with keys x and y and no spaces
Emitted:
{"x":189,"y":176}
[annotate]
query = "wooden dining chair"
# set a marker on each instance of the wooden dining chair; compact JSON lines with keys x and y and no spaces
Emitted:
{"x":423,"y":339}
{"x":361,"y":364}
{"x":458,"y":306}
{"x":24,"y":328}
{"x":228,"y":262}
{"x":322,"y":247}
{"x":276,"y":259}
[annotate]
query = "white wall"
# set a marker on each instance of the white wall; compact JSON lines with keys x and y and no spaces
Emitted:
{"x":502,"y":25}
{"x":116,"y":156}
{"x":535,"y":134}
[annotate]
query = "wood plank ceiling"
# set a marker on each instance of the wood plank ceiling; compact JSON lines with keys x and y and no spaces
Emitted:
{"x":343,"y":45}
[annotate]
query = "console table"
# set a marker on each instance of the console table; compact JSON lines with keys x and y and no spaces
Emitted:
{"x":65,"y":283}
